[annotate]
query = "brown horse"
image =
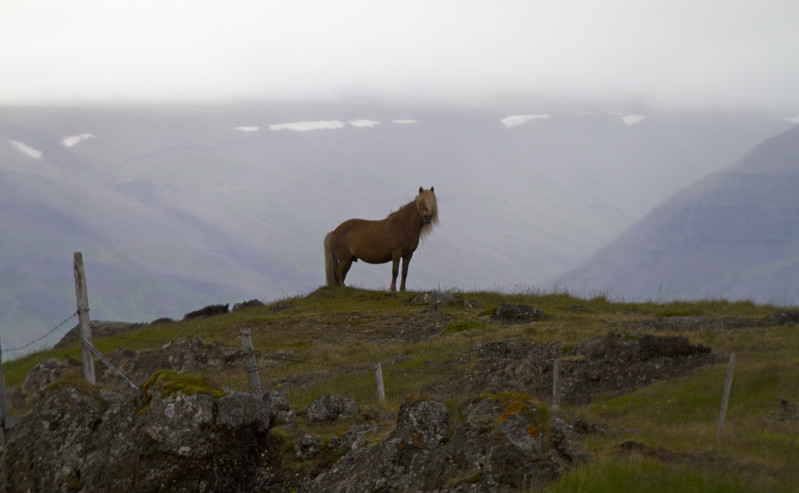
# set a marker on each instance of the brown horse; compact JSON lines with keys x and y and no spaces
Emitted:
{"x":377,"y":242}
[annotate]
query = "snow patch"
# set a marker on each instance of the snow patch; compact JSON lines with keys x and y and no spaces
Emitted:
{"x":404,"y":122}
{"x":516,"y":120}
{"x":363,"y":123}
{"x":77,"y":139}
{"x":247,"y":129}
{"x":30,"y":151}
{"x":305,"y":126}
{"x":633,"y":119}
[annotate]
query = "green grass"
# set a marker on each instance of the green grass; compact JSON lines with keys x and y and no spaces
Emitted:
{"x":328,"y":342}
{"x":641,"y":475}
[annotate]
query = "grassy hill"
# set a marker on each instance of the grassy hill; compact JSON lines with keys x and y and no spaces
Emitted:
{"x":657,"y":432}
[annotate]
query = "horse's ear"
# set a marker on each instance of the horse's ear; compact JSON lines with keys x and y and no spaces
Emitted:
{"x":432,"y":189}
{"x":420,"y":189}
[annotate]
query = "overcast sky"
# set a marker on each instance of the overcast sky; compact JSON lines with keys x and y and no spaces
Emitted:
{"x":742,"y":53}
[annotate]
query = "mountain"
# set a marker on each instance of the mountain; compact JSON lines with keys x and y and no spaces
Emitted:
{"x":176,"y":207}
{"x":731,"y":235}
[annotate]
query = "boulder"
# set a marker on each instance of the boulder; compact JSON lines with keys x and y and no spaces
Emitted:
{"x":331,"y":408}
{"x":90,"y":440}
{"x":518,"y":314}
{"x":506,"y":444}
{"x":207,"y":311}
{"x":307,"y":447}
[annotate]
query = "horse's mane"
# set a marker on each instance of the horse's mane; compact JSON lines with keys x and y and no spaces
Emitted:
{"x":433,"y":206}
{"x":426,"y":228}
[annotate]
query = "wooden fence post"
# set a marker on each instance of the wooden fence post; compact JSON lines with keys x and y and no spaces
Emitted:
{"x":110,"y":365}
{"x":84,"y":323}
{"x":381,"y":391}
{"x":3,"y":403}
{"x":555,"y":384}
{"x":251,"y":364}
{"x":726,"y":397}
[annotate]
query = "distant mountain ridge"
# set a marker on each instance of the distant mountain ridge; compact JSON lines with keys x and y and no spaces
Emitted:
{"x":177,"y":207}
{"x":731,"y":235}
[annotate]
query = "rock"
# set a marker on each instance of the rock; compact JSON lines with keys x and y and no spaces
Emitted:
{"x":787,"y":317}
{"x":355,"y":437}
{"x":111,"y":441}
{"x":518,"y":314}
{"x":501,"y":447}
{"x":307,"y":447}
{"x":331,"y":408}
{"x":613,"y":363}
{"x":246,"y":304}
{"x":207,"y":311}
{"x":45,"y":373}
{"x":432,"y":298}
{"x":421,"y":423}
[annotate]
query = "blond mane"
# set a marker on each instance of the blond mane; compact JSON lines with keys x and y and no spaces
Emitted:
{"x":428,"y":199}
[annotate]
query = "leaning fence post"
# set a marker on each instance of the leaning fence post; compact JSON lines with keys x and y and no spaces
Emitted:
{"x":555,"y":384}
{"x":3,"y":404}
{"x":252,"y":365}
{"x":726,"y":397}
{"x":381,"y":391}
{"x":82,"y":296}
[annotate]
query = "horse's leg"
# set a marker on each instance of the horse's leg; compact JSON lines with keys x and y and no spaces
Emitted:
{"x":342,"y":269}
{"x":405,"y":261}
{"x":395,"y":259}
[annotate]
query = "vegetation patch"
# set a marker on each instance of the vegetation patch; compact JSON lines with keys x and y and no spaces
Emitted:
{"x":169,"y":383}
{"x":456,"y":327}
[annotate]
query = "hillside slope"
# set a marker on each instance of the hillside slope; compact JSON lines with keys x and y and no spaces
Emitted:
{"x":468,"y":398}
{"x":731,"y":235}
{"x":176,"y":207}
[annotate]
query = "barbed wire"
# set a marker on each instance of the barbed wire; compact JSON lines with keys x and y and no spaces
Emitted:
{"x":41,"y":338}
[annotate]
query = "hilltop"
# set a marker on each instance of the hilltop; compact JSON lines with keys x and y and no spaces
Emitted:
{"x":640,"y":390}
{"x":178,"y":206}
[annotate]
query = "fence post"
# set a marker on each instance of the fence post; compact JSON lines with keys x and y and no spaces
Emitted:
{"x":84,"y":323}
{"x":726,"y":397}
{"x":251,"y":364}
{"x":381,"y":391}
{"x":555,"y":384}
{"x":3,"y":404}
{"x":110,"y":365}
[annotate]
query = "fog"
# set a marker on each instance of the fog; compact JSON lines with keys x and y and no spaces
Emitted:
{"x":674,"y":54}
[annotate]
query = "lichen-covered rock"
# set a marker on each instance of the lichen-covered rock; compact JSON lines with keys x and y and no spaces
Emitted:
{"x":421,"y":423}
{"x":611,"y":363}
{"x":307,"y":447}
{"x":505,"y":445}
{"x":518,"y":314}
{"x":90,"y":440}
{"x":330,"y":408}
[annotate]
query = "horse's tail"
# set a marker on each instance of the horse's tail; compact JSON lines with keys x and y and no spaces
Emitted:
{"x":331,"y":261}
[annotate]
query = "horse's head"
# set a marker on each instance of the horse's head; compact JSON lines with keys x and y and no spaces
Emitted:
{"x":426,"y":205}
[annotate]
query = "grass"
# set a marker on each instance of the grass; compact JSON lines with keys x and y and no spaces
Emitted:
{"x":328,"y":342}
{"x":638,"y":474}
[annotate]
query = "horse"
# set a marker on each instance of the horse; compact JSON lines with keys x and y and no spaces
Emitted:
{"x":377,"y":242}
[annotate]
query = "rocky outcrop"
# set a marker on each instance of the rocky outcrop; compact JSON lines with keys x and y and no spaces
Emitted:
{"x":518,"y":314}
{"x":614,"y":363}
{"x":330,"y":408}
{"x":506,"y":443}
{"x":207,"y":311}
{"x":179,"y":438}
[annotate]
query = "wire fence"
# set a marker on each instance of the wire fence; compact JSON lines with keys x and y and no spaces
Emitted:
{"x":28,"y":345}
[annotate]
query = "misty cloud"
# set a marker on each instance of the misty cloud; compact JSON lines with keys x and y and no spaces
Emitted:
{"x":679,"y":53}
